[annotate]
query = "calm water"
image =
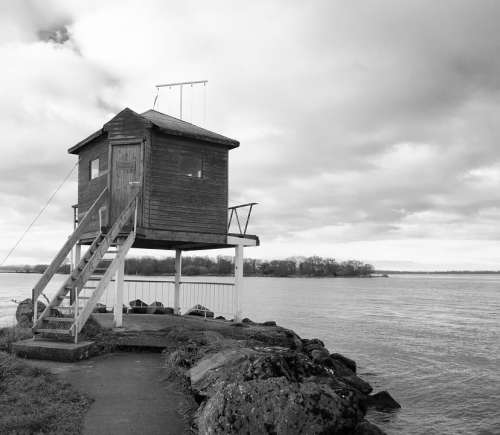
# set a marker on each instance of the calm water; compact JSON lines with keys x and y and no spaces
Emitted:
{"x":432,"y":341}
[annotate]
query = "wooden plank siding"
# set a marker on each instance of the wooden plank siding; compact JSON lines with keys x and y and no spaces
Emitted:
{"x":89,"y":190}
{"x":174,"y":208}
{"x":178,"y":202}
{"x":128,"y":127}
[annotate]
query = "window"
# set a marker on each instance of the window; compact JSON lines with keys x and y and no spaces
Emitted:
{"x":94,"y":168}
{"x":191,"y":166}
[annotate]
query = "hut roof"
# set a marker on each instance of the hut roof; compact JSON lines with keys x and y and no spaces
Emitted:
{"x":169,"y":125}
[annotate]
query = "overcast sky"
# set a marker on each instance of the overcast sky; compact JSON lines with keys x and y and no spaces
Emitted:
{"x":368,"y":130}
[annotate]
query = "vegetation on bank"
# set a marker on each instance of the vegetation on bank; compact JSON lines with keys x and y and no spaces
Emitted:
{"x":220,"y":266}
{"x":32,"y":400}
{"x":303,"y":267}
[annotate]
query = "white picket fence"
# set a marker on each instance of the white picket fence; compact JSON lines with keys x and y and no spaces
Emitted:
{"x":219,"y":297}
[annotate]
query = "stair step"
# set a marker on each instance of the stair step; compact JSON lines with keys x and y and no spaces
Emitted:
{"x":54,"y":331}
{"x":88,"y":288}
{"x":59,"y":319}
{"x":92,"y":278}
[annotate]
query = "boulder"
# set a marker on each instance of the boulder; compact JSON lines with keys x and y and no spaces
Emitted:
{"x":244,"y":364}
{"x":24,"y":313}
{"x":269,"y":323}
{"x":349,"y":363}
{"x":279,"y":407}
{"x":382,"y":401}
{"x":364,"y":427}
{"x":99,"y":308}
{"x":199,"y":310}
{"x":313,"y":344}
{"x":319,"y":355}
{"x":138,"y":307}
{"x":225,"y":365}
{"x":156,"y":308}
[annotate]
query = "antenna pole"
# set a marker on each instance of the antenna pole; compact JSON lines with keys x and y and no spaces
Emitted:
{"x":180,"y":101}
{"x":180,"y":84}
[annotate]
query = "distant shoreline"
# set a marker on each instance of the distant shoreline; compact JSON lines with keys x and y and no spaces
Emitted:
{"x":376,"y":274}
{"x":438,"y":272}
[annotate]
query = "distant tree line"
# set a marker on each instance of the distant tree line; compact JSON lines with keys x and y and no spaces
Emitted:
{"x":220,"y":266}
{"x":305,"y":267}
{"x":37,"y":268}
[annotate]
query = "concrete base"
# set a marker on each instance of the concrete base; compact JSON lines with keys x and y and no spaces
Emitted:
{"x":52,"y":350}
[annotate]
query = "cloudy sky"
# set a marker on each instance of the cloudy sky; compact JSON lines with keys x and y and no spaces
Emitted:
{"x":368,"y":130}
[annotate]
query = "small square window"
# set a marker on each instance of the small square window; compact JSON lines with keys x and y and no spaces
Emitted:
{"x":191,"y":166}
{"x":94,"y":168}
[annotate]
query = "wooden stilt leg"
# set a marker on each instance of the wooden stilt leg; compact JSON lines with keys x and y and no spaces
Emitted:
{"x":238,"y":281}
{"x":177,"y":289}
{"x":120,"y":274}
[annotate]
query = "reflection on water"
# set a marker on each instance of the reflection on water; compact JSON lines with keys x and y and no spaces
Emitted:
{"x":432,"y":341}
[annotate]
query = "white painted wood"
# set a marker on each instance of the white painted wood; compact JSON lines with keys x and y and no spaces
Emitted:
{"x":104,"y":282}
{"x":240,"y":241}
{"x":177,"y":289}
{"x":238,"y":281}
{"x":120,"y":274}
{"x":78,"y":254}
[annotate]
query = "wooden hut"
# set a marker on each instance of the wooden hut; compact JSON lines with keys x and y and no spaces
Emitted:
{"x":148,"y":181}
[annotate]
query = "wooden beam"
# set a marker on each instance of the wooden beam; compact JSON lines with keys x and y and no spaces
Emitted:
{"x":238,"y":281}
{"x":64,"y":251}
{"x":120,"y":274}
{"x":241,"y":241}
{"x":177,"y":289}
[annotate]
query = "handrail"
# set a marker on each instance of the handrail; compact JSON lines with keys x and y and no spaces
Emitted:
{"x":90,"y":260}
{"x":64,"y":251}
{"x":234,"y":211}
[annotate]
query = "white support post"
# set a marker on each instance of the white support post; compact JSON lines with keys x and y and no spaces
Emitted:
{"x":77,"y":252}
{"x":75,"y":260}
{"x":238,"y":281}
{"x":120,"y":273}
{"x":177,"y":289}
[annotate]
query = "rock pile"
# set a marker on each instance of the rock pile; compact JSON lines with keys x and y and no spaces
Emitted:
{"x":274,"y":382}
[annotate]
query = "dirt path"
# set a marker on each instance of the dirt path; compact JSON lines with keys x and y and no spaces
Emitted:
{"x":130,"y":394}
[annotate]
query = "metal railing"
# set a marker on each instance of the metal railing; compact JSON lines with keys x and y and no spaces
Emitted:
{"x":218,"y":297}
{"x":234,"y":212}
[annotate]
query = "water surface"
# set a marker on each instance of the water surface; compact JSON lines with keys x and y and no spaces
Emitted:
{"x":431,"y":340}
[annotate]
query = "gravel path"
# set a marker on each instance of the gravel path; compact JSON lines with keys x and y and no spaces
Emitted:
{"x":130,"y":394}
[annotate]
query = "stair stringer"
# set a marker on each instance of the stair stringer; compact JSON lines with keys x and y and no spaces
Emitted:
{"x":78,"y":278}
{"x":88,"y":263}
{"x":103,"y":284}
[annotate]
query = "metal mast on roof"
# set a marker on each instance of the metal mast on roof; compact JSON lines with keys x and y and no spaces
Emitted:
{"x":180,"y":85}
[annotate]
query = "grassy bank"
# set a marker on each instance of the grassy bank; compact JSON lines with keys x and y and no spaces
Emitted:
{"x":33,"y":401}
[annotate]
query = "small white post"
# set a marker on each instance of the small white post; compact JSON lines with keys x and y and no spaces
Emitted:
{"x":238,"y":281}
{"x":77,"y":252}
{"x":177,"y":289}
{"x":120,"y":273}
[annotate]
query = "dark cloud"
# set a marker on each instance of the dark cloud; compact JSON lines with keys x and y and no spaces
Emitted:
{"x":58,"y":35}
{"x":359,"y":122}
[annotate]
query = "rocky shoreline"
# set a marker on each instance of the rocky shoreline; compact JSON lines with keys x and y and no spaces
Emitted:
{"x":250,"y":377}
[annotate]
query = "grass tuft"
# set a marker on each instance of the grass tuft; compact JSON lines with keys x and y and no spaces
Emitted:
{"x":12,"y":334}
{"x":33,"y":401}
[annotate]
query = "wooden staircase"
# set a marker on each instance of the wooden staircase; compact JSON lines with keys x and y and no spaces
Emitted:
{"x":71,"y":306}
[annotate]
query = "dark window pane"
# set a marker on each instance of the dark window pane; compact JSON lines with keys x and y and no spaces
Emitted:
{"x":191,"y":166}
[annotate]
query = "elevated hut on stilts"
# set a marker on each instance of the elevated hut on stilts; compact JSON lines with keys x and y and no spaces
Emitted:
{"x":147,"y":181}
